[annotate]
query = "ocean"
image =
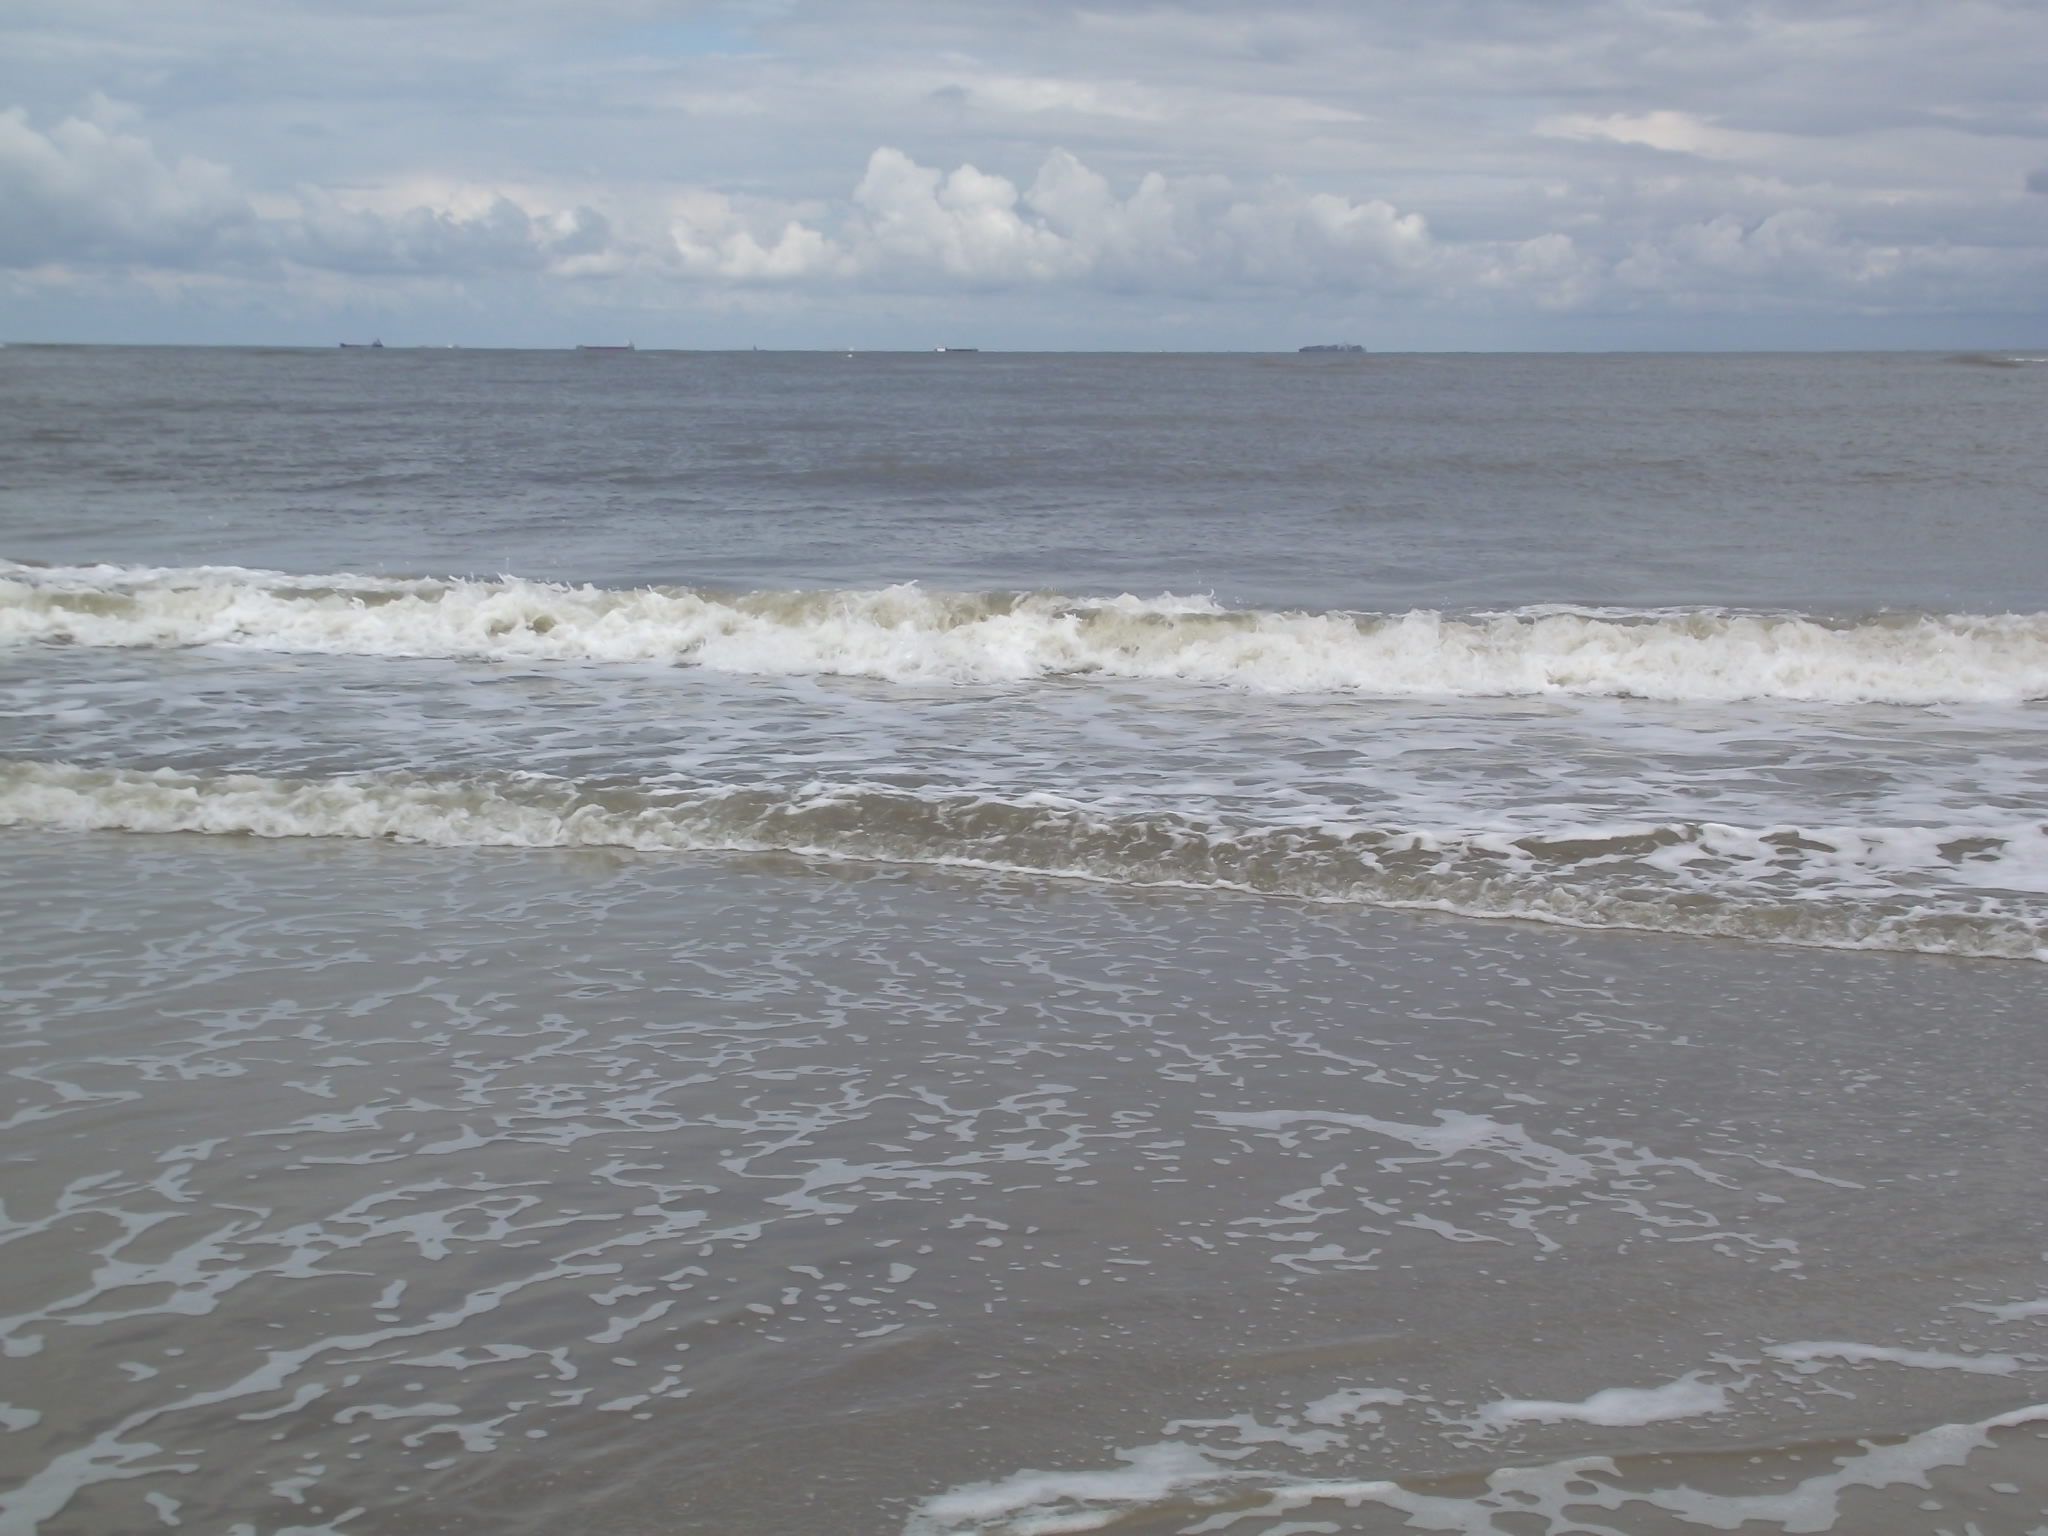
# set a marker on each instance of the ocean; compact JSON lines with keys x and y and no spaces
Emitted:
{"x":998,"y":945}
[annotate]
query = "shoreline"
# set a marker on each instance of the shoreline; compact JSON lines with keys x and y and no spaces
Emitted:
{"x":622,"y":1105}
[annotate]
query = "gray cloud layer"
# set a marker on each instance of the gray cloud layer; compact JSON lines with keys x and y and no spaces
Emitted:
{"x":1188,"y":171}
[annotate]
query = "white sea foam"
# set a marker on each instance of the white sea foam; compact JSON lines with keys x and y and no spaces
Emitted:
{"x":907,"y":634}
{"x":2013,"y":1312}
{"x":1811,"y":1357}
{"x":1860,"y":891}
{"x":1614,"y":1407}
{"x":1552,"y":1497}
{"x":1059,"y":1502}
{"x":1351,"y":1405}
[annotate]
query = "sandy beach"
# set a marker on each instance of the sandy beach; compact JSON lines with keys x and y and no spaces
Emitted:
{"x":584,"y":1191}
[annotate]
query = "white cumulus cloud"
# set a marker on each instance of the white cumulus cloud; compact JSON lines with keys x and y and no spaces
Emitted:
{"x":93,"y":189}
{"x":711,"y":238}
{"x":965,"y":223}
{"x":908,"y":225}
{"x":98,"y":192}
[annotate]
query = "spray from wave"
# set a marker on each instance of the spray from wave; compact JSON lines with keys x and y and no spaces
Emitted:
{"x":910,"y":635}
{"x":1854,"y":888}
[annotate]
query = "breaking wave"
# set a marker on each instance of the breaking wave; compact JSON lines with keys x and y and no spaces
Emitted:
{"x":1978,"y":891}
{"x":908,"y":634}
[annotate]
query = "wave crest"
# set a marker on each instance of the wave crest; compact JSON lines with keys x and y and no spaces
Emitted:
{"x":909,"y":635}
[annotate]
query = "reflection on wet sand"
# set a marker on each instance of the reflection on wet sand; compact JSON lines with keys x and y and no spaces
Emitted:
{"x":354,"y":1188}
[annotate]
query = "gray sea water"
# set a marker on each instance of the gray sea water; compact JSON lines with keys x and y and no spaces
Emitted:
{"x":975,"y":945}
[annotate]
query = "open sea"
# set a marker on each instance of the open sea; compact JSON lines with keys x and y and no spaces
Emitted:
{"x":1009,"y":945}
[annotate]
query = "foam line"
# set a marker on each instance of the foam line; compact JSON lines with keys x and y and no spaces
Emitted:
{"x":908,"y":634}
{"x":1621,"y":877}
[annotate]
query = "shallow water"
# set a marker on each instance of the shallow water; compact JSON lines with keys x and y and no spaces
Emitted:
{"x":507,"y":1191}
{"x":914,"y":945}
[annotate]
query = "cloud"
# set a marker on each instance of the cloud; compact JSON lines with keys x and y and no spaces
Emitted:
{"x":710,"y":237}
{"x":1190,"y":236}
{"x":421,"y":240}
{"x":88,"y":190}
{"x":94,"y":192}
{"x":1087,"y":98}
{"x":907,"y":227}
{"x":1801,"y":258}
{"x":86,"y":194}
{"x":1679,"y":133}
{"x":867,"y":157}
{"x":965,"y":224}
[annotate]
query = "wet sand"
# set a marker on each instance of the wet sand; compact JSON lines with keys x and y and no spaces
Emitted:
{"x":368,"y":1189}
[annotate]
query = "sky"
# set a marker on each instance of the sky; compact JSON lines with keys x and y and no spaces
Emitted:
{"x":1212,"y":175}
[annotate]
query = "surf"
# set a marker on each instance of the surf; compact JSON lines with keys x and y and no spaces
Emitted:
{"x":908,"y":634}
{"x":1973,"y":891}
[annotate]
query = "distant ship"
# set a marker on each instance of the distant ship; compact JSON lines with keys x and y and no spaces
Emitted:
{"x":604,"y":346}
{"x":956,"y":349}
{"x":1334,"y":346}
{"x":362,"y":346}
